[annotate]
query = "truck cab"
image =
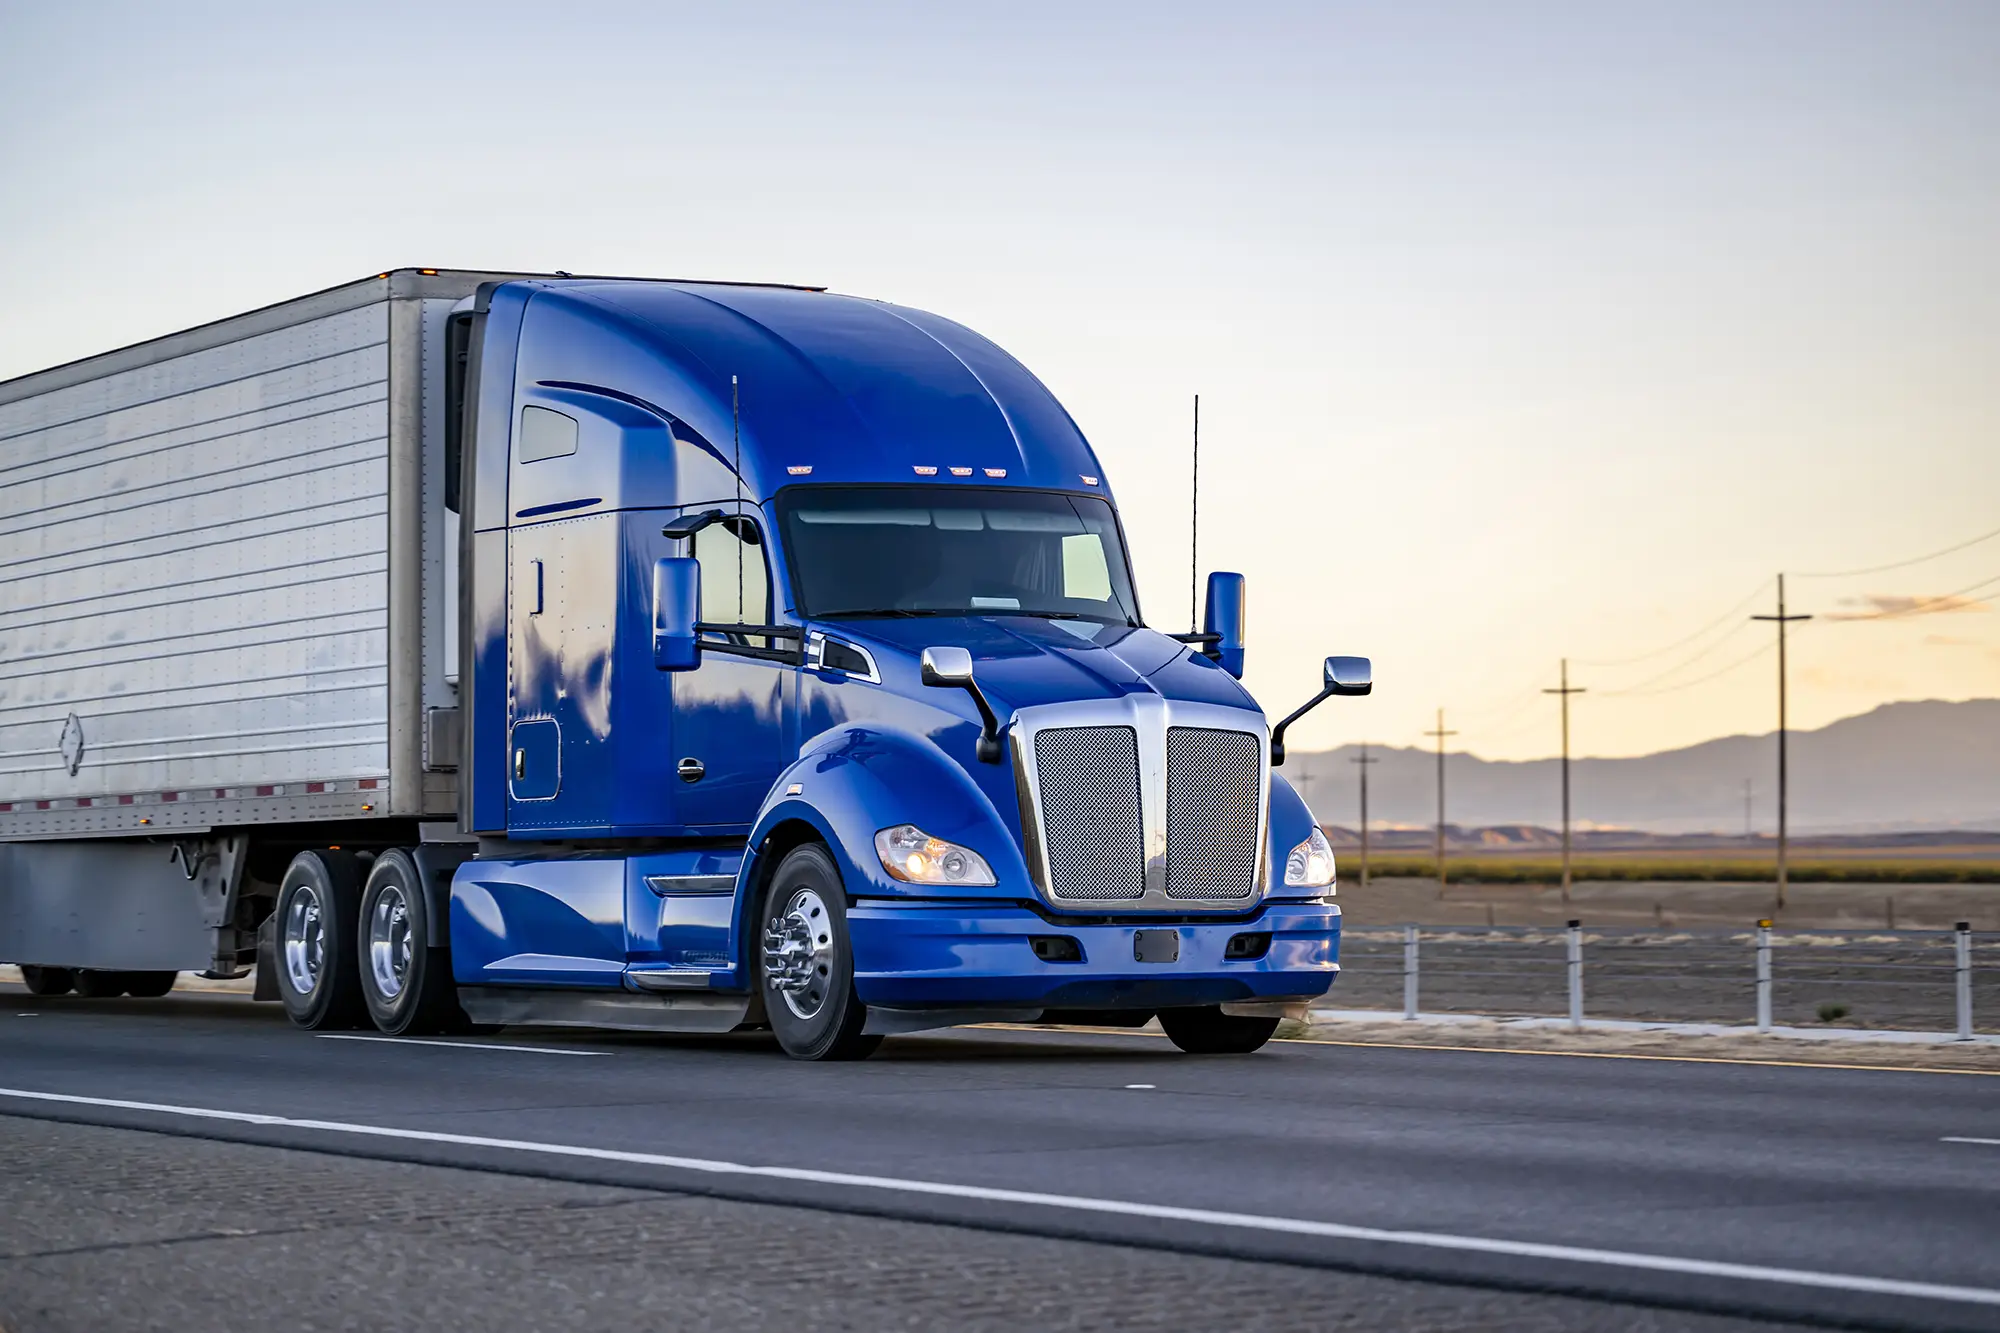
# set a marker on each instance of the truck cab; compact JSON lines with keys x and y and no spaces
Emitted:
{"x":805,"y":683}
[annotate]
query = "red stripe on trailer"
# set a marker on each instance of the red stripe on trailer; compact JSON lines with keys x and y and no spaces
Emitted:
{"x":368,"y":784}
{"x":315,"y":786}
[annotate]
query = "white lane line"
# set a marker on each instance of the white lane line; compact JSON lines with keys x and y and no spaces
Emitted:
{"x":1959,"y":1138}
{"x":461,"y":1045}
{"x":1293,"y":1226}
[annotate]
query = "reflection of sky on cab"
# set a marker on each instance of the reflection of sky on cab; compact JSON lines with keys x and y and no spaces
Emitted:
{"x":1521,"y":330}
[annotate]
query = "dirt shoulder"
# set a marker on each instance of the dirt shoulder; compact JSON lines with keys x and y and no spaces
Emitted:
{"x":1748,"y":1048}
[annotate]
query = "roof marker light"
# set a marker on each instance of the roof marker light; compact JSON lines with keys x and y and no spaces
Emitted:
{"x":1090,"y":481}
{"x":799,"y":471}
{"x":923,"y":471}
{"x":996,"y":472}
{"x":961,"y":472}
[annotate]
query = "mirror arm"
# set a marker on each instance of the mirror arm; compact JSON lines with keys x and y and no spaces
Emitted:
{"x":1278,"y":732}
{"x":689,"y":524}
{"x":988,"y":746}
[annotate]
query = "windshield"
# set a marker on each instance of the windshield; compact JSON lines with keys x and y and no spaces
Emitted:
{"x":929,"y":551}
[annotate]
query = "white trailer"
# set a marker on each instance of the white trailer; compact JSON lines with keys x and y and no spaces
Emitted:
{"x":228,"y":610}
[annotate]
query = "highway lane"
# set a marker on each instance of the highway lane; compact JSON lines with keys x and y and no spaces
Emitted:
{"x":1838,"y":1173}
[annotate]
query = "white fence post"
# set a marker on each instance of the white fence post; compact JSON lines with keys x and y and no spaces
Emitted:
{"x":1410,"y":972}
{"x":1576,"y":974}
{"x":1763,"y":976}
{"x":1964,"y":979}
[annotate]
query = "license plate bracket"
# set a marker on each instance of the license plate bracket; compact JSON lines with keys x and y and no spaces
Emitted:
{"x":1156,"y":946}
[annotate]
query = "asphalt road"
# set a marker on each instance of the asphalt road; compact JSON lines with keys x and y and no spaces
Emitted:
{"x":988,"y":1178}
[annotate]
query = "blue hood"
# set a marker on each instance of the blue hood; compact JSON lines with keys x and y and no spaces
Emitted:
{"x":1022,"y":661}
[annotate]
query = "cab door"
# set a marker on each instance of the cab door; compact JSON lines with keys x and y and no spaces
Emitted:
{"x":734,"y":714}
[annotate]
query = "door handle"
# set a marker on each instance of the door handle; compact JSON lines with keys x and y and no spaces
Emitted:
{"x":520,"y":764}
{"x":691,"y":769}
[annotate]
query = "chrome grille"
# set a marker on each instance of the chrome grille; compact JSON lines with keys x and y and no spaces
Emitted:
{"x":1089,"y":792}
{"x":1212,"y":813}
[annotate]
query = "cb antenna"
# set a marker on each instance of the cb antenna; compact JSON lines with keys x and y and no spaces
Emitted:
{"x":1194,"y":523}
{"x":736,"y":431}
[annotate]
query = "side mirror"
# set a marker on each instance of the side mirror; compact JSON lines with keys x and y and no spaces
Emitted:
{"x":676,"y":608}
{"x":951,"y":668}
{"x":947,"y":667}
{"x":1352,"y":676}
{"x":1349,"y":676}
{"x":1223,"y":616}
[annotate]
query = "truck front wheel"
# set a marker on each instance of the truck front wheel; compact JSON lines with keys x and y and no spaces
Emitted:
{"x":318,"y":904}
{"x":1209,"y":1031}
{"x":805,"y":962}
{"x":405,"y":966}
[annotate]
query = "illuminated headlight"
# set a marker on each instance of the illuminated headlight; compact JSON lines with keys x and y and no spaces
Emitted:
{"x":914,"y":856}
{"x":1310,"y":864}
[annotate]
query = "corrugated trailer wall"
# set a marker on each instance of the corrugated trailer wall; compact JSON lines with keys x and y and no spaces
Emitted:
{"x":194,"y":585}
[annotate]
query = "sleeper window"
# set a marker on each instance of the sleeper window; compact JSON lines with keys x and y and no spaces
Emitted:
{"x":544,"y":434}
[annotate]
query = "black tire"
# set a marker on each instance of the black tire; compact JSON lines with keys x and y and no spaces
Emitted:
{"x":149,"y":985}
{"x":47,"y":980}
{"x":1209,"y":1031}
{"x":94,"y":984}
{"x":403,"y":957}
{"x":802,"y":930}
{"x":319,"y":902}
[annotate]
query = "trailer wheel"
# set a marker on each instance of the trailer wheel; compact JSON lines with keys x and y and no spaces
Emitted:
{"x":405,"y":961}
{"x":805,"y":963}
{"x":47,"y":980}
{"x":94,"y":984}
{"x":149,"y":985}
{"x":1209,"y":1031}
{"x":318,"y":904}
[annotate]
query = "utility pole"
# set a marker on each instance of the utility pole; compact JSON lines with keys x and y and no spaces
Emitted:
{"x":1306,"y":781}
{"x":1781,"y":620}
{"x":1747,"y":826}
{"x":1364,"y":761}
{"x":1566,"y":691}
{"x":1440,"y":733}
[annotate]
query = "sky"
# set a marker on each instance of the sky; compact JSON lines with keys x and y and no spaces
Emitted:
{"x":1522,"y":331}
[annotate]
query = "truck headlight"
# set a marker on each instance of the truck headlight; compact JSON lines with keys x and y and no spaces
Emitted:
{"x":914,"y":856}
{"x":1310,"y":864}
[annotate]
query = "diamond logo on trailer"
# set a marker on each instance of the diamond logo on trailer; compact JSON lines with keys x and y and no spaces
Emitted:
{"x":72,"y":743}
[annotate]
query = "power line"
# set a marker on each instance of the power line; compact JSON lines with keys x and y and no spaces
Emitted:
{"x":1901,"y":564}
{"x":1720,"y":620}
{"x":1640,"y":687}
{"x":1698,"y":680}
{"x":1920,"y":606}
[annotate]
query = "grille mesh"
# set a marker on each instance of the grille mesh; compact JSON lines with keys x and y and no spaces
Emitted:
{"x":1212,"y":810}
{"x":1089,"y":778}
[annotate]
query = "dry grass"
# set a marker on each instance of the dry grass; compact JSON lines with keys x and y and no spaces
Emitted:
{"x":1694,"y":867}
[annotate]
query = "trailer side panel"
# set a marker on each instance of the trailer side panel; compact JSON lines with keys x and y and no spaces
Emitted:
{"x":194,"y":587}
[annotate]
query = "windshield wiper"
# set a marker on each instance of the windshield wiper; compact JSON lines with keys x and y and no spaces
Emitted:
{"x":859,"y":613}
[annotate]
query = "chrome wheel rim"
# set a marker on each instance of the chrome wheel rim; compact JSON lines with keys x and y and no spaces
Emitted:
{"x":799,"y":954}
{"x":389,"y":942}
{"x":305,"y":940}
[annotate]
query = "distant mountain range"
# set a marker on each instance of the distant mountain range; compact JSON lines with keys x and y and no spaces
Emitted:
{"x":1904,"y":767}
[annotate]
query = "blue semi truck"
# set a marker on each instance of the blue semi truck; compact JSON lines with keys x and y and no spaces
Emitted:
{"x":458,"y":649}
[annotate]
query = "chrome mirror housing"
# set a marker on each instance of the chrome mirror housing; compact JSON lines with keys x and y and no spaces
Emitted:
{"x":1351,"y":676}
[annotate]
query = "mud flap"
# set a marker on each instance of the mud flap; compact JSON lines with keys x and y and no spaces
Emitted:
{"x":266,"y":987}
